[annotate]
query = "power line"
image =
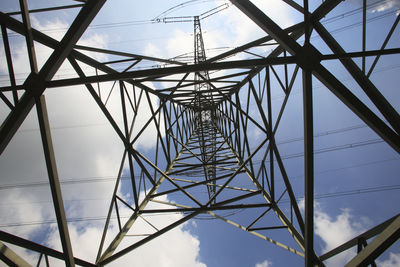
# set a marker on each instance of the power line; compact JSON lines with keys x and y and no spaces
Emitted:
{"x":183,"y":5}
{"x":126,"y":178}
{"x":117,"y":24}
{"x":335,"y":148}
{"x":129,"y":22}
{"x":194,"y":2}
{"x":352,"y":192}
{"x":354,"y":11}
{"x":66,"y":182}
{"x":348,"y":167}
{"x":367,"y":190}
{"x":349,"y":78}
{"x":384,"y":15}
{"x":288,"y":156}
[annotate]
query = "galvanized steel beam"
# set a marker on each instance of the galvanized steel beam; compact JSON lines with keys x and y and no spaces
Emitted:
{"x":54,"y":180}
{"x":9,"y":257}
{"x":23,"y":243}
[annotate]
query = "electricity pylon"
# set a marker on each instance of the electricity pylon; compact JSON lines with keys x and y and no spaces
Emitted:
{"x":202,"y":126}
{"x":205,"y":110}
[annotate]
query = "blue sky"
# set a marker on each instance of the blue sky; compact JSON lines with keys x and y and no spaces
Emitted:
{"x":356,"y":174}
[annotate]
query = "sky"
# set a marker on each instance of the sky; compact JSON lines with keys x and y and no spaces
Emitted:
{"x":353,"y":167}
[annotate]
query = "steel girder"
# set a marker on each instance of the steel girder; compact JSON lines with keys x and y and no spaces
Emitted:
{"x":10,"y":257}
{"x":179,"y":154}
{"x":43,"y":250}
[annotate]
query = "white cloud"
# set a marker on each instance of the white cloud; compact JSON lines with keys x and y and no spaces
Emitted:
{"x":228,"y":28}
{"x":184,"y":251}
{"x":265,"y":263}
{"x":179,"y":43}
{"x":278,"y":11}
{"x":242,"y":29}
{"x":336,"y":231}
{"x":21,"y":214}
{"x":393,"y":261}
{"x":76,"y":142}
{"x":152,"y":50}
{"x":85,"y":146}
{"x":301,"y":204}
{"x":54,"y":28}
{"x":378,"y":5}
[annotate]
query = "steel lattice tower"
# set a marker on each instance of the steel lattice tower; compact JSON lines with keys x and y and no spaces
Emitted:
{"x":201,"y":122}
{"x":205,"y":113}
